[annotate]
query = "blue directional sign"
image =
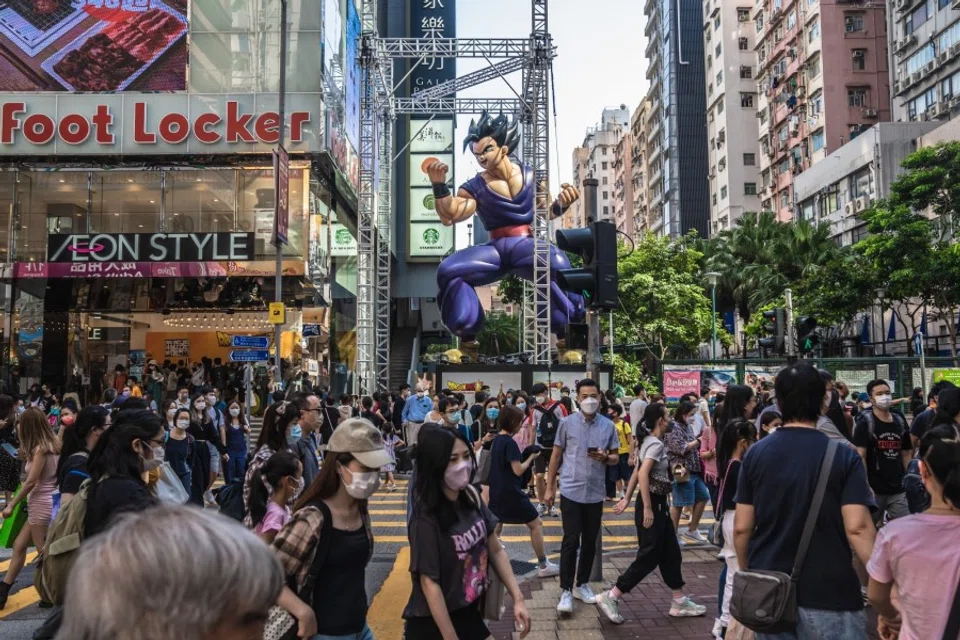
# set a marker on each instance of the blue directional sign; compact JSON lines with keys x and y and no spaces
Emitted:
{"x":250,"y":355}
{"x":918,"y":343}
{"x":250,"y":342}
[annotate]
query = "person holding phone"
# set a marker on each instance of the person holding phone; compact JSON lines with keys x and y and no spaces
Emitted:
{"x":586,"y":443}
{"x":509,"y":470}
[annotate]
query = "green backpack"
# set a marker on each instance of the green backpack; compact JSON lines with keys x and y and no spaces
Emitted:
{"x":60,"y":550}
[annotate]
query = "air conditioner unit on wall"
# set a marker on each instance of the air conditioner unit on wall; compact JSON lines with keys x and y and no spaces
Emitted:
{"x":848,"y":209}
{"x":860,"y":204}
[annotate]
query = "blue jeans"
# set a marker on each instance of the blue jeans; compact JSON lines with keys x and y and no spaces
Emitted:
{"x":236,"y":466}
{"x":824,"y":625}
{"x":365,"y":634}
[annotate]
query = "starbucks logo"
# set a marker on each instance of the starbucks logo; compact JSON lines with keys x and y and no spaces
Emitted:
{"x":431,"y":236}
{"x":343,"y":237}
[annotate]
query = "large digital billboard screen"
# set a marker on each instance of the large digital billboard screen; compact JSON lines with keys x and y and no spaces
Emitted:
{"x":93,"y":45}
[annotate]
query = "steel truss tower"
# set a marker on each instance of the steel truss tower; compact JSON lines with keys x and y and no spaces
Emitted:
{"x":378,"y":111}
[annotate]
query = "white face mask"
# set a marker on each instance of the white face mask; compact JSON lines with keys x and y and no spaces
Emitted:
{"x":364,"y":484}
{"x":883,"y":401}
{"x":235,"y":411}
{"x":541,"y":400}
{"x":589,"y":406}
{"x":170,"y":412}
{"x":183,"y":424}
{"x":200,"y":406}
{"x":211,"y":400}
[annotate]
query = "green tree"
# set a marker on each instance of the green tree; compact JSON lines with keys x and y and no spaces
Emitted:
{"x":500,"y":334}
{"x":932,"y":180}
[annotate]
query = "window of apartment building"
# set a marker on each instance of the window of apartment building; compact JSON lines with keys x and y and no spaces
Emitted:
{"x":719,"y":78}
{"x":816,"y":103}
{"x":813,"y":32}
{"x":603,"y":165}
{"x":716,"y":23}
{"x":606,"y":212}
{"x":749,"y":188}
{"x":919,"y":60}
{"x":603,"y":150}
{"x":710,"y":89}
{"x":949,"y":37}
{"x":818,"y":140}
{"x":709,"y":61}
{"x":722,"y":165}
{"x":922,"y":102}
{"x":743,"y":44}
{"x":762,"y":52}
{"x":853,"y":22}
{"x":780,"y":67}
{"x":942,"y":3}
{"x":831,"y":202}
{"x":791,"y":20}
{"x":746,"y":71}
{"x":746,"y":100}
{"x":950,"y":87}
{"x":778,"y":33}
{"x":720,"y":107}
{"x":784,"y":199}
{"x":916,"y":18}
{"x":782,"y":134}
{"x":784,"y":166}
{"x":714,"y":199}
{"x":606,"y":195}
{"x":713,"y":143}
{"x":604,"y":181}
{"x":861,"y":184}
{"x":859,"y":57}
{"x":857,"y":97}
{"x":749,"y":159}
{"x":813,"y":68}
{"x":808,"y":209}
{"x":743,"y":15}
{"x":723,"y":193}
{"x":718,"y":50}
{"x":763,"y":113}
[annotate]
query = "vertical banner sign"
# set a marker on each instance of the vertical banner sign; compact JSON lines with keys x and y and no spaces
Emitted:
{"x":281,"y":218}
{"x":430,"y":140}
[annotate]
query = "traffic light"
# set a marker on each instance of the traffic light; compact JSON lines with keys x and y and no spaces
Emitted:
{"x":774,"y":326}
{"x":597,"y":280}
{"x":807,"y":338}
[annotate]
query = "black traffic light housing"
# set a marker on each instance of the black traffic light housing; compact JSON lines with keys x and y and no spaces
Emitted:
{"x":597,"y":280}
{"x":774,"y":326}
{"x":807,"y":338}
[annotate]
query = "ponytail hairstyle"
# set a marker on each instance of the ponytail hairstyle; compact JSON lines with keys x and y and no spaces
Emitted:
{"x":653,"y":414}
{"x":948,"y":406}
{"x":730,"y":437}
{"x":274,"y":470}
{"x":940,"y":452}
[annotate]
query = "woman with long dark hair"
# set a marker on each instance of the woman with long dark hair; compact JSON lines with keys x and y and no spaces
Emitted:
{"x":280,"y":432}
{"x":77,"y":441}
{"x":181,"y":454}
{"x":9,"y":463}
{"x":236,"y":430}
{"x":487,"y":429}
{"x":326,"y":546}
{"x":736,"y":439}
{"x":453,"y":545}
{"x":207,"y":435}
{"x":658,"y":545}
{"x":689,"y":489}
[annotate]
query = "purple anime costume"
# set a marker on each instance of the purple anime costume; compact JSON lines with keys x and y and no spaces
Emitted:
{"x":485,"y":264}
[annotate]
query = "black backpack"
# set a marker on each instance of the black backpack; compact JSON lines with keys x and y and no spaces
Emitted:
{"x":549,"y":423}
{"x":230,"y":500}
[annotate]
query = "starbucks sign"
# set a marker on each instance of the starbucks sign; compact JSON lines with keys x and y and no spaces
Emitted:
{"x":429,"y":141}
{"x":342,"y":242}
{"x":430,"y":239}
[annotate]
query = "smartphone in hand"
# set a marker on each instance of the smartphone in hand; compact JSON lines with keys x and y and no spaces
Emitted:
{"x":10,"y":449}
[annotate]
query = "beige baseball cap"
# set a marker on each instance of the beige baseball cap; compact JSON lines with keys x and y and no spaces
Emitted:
{"x":362,"y":440}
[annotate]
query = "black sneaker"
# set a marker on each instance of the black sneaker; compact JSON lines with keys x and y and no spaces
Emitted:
{"x":4,"y":594}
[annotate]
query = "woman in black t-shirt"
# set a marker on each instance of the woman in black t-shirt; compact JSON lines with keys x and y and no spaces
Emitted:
{"x":452,"y":545}
{"x":77,"y":441}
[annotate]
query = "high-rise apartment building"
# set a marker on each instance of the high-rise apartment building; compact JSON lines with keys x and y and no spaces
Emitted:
{"x":595,"y":158}
{"x":925,"y":58}
{"x":576,"y":216}
{"x":802,"y":117}
{"x":677,"y":139}
{"x":730,"y":62}
{"x":638,"y":165}
{"x":623,"y":184}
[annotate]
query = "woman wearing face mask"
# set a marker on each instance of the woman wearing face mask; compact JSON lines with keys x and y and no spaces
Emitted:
{"x":78,"y":438}
{"x":276,"y":488}
{"x":332,"y":601}
{"x":434,"y":415}
{"x":41,"y":448}
{"x":452,"y":546}
{"x":914,"y":554}
{"x":656,"y":533}
{"x":67,"y":416}
{"x":180,"y":452}
{"x":689,"y":488}
{"x":9,"y":463}
{"x":119,"y":464}
{"x":169,"y":411}
{"x":524,"y":436}
{"x":487,"y":431}
{"x":237,"y":431}
{"x":769,"y":423}
{"x":737,"y":437}
{"x":205,"y":433}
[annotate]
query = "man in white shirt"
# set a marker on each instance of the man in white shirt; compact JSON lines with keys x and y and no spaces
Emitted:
{"x":637,"y":407}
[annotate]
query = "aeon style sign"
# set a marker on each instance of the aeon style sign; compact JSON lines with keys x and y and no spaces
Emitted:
{"x":150,"y":247}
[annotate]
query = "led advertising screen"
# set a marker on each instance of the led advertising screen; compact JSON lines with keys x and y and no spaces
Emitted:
{"x":93,"y":45}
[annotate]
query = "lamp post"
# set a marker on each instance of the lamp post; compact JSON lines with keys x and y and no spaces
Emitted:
{"x":881,"y":292}
{"x":712,"y":277}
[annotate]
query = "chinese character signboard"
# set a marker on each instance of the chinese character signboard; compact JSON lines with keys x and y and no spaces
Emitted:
{"x":94,"y":45}
{"x":433,"y":19}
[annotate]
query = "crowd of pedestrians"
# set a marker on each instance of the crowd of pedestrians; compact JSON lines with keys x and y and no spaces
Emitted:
{"x":121,"y":470}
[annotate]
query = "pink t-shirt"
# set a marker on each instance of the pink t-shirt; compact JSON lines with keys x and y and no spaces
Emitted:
{"x":919,"y":553}
{"x":274,"y":519}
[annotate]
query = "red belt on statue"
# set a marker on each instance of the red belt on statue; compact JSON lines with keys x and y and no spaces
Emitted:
{"x":510,"y":232}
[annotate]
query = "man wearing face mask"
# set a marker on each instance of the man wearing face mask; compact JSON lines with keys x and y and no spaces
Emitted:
{"x":306,"y":445}
{"x":183,"y":398}
{"x":414,"y":412}
{"x":883,"y":442}
{"x":547,"y":414}
{"x":585,"y":444}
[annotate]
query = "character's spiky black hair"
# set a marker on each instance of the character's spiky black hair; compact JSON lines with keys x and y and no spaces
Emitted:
{"x":502,"y":129}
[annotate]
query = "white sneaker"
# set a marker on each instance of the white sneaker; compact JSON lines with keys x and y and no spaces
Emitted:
{"x":554,"y":512}
{"x":686,"y":608}
{"x":208,"y":498}
{"x":548,"y":570}
{"x":695,"y":535}
{"x":585,"y":594}
{"x":681,"y":541}
{"x":610,"y":607}
{"x":566,"y":603}
{"x":541,"y":510}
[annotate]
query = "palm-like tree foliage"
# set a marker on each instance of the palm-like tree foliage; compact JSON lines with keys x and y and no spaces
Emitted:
{"x":500,"y":334}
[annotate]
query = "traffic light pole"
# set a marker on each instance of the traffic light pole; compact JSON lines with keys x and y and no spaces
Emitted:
{"x":791,"y":340}
{"x":593,"y":316}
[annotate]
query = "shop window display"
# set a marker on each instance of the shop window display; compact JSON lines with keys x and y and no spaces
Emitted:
{"x":200,"y":201}
{"x":50,"y":202}
{"x":124,"y":202}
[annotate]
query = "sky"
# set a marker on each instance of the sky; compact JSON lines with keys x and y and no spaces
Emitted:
{"x":600,"y":63}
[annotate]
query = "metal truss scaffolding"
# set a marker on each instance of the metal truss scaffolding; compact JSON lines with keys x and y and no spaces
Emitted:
{"x":378,"y":111}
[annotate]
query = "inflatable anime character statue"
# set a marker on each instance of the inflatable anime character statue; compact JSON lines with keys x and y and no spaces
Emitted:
{"x":502,"y":196}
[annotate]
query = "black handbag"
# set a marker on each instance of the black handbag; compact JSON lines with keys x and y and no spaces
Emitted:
{"x":766,"y":601}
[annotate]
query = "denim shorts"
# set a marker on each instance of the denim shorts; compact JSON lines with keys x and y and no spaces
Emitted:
{"x":214,"y":458}
{"x":685,"y":494}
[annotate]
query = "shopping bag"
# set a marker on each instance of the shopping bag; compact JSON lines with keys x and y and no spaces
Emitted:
{"x":11,"y":526}
{"x":169,"y":489}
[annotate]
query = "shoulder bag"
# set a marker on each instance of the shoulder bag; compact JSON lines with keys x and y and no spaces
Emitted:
{"x":766,"y":601}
